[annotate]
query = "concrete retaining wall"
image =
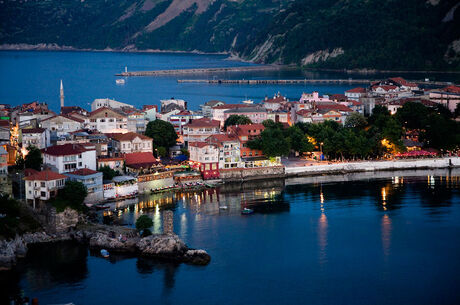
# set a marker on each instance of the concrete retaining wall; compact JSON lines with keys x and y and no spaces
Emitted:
{"x":372,"y":166}
{"x":240,"y":174}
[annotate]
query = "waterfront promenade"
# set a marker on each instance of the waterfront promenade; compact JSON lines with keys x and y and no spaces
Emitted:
{"x":294,"y":169}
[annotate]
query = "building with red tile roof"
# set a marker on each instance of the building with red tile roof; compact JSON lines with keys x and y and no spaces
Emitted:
{"x":70,"y":157}
{"x":42,"y":186}
{"x":140,"y":160}
{"x":131,"y":142}
{"x":200,"y":129}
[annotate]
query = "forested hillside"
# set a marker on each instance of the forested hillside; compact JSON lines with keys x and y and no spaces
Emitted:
{"x":371,"y":34}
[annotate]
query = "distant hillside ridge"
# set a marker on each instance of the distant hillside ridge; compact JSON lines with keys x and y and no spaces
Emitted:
{"x":332,"y":34}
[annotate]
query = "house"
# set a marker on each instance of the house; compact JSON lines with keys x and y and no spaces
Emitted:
{"x":218,"y":112}
{"x":140,"y":161}
{"x":3,"y":160}
{"x":403,"y":84}
{"x":4,"y":130}
{"x":206,"y":109}
{"x":38,"y":137}
{"x":70,"y":157}
{"x":107,"y":120}
{"x":355,"y":93}
{"x":66,"y":110}
{"x":42,"y":186}
{"x":137,"y":122}
{"x":60,"y":125}
{"x":229,"y":150}
{"x":6,"y":186}
{"x":92,"y":180}
{"x":107,"y":103}
{"x":182,"y":118}
{"x":245,"y":133}
{"x":304,"y":116}
{"x":30,"y":114}
{"x":314,"y":97}
{"x":333,"y":111}
{"x":165,"y":104}
{"x":150,"y":112}
{"x":131,"y":142}
{"x":448,"y":96}
{"x":255,"y":114}
{"x":199,"y":130}
{"x":205,"y":158}
{"x":280,"y":116}
{"x":275,"y":103}
{"x":115,"y":163}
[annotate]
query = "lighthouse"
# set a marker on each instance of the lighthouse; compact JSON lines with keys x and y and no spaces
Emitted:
{"x":62,"y":95}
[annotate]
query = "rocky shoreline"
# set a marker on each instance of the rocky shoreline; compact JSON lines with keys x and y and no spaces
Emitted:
{"x":158,"y":246}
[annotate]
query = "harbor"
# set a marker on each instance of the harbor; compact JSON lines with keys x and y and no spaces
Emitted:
{"x":277,"y":81}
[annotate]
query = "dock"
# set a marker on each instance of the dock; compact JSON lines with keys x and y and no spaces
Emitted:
{"x":276,"y":81}
{"x":205,"y":70}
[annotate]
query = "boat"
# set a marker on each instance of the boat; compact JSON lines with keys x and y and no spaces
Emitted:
{"x":105,"y":253}
{"x":120,"y":81}
{"x":249,"y":102}
{"x":247,"y":211}
{"x":223,"y":207}
{"x":101,"y":207}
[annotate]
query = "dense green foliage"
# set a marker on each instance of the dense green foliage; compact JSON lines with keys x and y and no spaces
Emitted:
{"x":143,"y":224}
{"x":108,"y":173}
{"x":72,"y":195}
{"x":33,"y":158}
{"x":392,"y":34}
{"x":235,"y":119}
{"x":437,"y":128}
{"x":17,"y":220}
{"x":162,"y":132}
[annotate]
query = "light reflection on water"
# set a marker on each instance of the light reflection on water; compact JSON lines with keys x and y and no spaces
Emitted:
{"x":321,"y":243}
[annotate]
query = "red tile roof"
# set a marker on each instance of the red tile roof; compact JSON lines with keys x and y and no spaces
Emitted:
{"x":385,"y":87}
{"x":140,"y":158}
{"x":357,"y":90}
{"x":30,"y":171}
{"x":129,"y":136}
{"x":332,"y":106}
{"x":304,"y":112}
{"x":199,"y":144}
{"x":402,"y":82}
{"x":451,"y":89}
{"x":45,"y":175}
{"x":84,"y":172}
{"x":33,"y":130}
{"x":66,"y":149}
{"x":148,"y":107}
{"x":104,"y":109}
{"x":67,"y":117}
{"x":276,"y":99}
{"x":231,"y":106}
{"x":204,"y":122}
{"x":221,"y":138}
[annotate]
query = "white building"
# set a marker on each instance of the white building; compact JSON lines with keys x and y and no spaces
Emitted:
{"x":218,"y":112}
{"x":106,"y":102}
{"x":131,"y":142}
{"x":206,"y":108}
{"x":107,"y":120}
{"x":70,"y":157}
{"x":137,"y":122}
{"x":199,"y":130}
{"x":38,"y":137}
{"x":125,"y":186}
{"x":229,"y":150}
{"x":150,"y":112}
{"x":61,"y":125}
{"x":355,"y":93}
{"x":180,"y":103}
{"x":182,"y":118}
{"x":43,"y":186}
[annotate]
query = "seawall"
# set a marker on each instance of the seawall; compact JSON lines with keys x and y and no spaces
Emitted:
{"x":371,"y":166}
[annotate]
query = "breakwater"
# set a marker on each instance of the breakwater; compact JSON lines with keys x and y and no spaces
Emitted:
{"x":276,"y":81}
{"x":205,"y":70}
{"x":371,"y":166}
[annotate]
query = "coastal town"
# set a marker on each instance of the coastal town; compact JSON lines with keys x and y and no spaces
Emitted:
{"x":118,"y":151}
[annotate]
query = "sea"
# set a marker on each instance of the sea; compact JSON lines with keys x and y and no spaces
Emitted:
{"x":374,"y":238}
{"x":27,"y":76}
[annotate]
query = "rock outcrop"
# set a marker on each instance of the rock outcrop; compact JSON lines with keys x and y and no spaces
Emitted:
{"x":112,"y":238}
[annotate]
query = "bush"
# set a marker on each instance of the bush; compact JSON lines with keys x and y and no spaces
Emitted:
{"x":144,"y":223}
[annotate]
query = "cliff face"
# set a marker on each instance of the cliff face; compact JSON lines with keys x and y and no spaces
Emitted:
{"x":391,"y":34}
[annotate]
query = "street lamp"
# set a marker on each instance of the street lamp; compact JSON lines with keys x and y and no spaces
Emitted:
{"x":321,"y":150}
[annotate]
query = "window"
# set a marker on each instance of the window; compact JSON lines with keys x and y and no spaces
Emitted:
{"x":43,"y":194}
{"x":42,"y":184}
{"x":79,"y":164}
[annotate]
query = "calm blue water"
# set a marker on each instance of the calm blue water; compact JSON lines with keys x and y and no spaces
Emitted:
{"x":26,"y":76}
{"x":393,"y":240}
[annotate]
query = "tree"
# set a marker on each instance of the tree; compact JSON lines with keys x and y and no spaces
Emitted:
{"x":412,"y":115}
{"x":143,"y":224}
{"x":33,"y":158}
{"x":235,"y":119}
{"x":272,"y":142}
{"x":161,"y":151}
{"x":108,"y":173}
{"x":272,"y":124}
{"x":457,"y":110}
{"x":73,"y":193}
{"x":162,"y":132}
{"x":185,"y":152}
{"x":20,"y":163}
{"x":298,"y":140}
{"x":355,"y":120}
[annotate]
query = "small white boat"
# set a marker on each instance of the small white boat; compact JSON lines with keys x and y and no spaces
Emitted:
{"x":248,"y":102}
{"x":247,"y":211}
{"x":223,"y":207}
{"x":105,"y":253}
{"x":120,"y":81}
